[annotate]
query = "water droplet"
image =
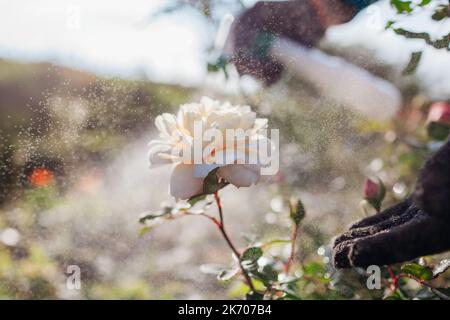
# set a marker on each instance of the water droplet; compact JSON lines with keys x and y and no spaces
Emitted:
{"x":271,"y":218}
{"x":276,"y":204}
{"x":321,"y":251}
{"x":298,"y":273}
{"x":338,"y":184}
{"x":399,"y":189}
{"x":10,"y":237}
{"x":390,"y":136}
{"x":376,"y":164}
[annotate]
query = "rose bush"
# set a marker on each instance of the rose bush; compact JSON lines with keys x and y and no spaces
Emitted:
{"x":228,"y":158}
{"x":259,"y":271}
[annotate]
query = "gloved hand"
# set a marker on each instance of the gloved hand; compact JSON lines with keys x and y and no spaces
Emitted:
{"x":413,"y":228}
{"x":304,"y":21}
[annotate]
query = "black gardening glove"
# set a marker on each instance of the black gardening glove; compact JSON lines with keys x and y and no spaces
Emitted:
{"x":297,"y":20}
{"x":413,"y":228}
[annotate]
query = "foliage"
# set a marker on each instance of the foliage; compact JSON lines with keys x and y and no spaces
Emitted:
{"x":441,"y":11}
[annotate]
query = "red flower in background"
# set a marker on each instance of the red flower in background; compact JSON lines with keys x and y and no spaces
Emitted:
{"x":41,"y":177}
{"x":439,"y":112}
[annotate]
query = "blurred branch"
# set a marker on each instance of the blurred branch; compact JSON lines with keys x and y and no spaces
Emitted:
{"x":442,"y":43}
{"x":413,"y":62}
{"x":408,"y":8}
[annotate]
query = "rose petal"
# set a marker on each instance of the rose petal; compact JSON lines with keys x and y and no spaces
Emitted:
{"x":224,"y":120}
{"x":228,"y":156}
{"x":159,"y":153}
{"x":208,"y":105}
{"x":166,"y":123}
{"x":261,"y":150}
{"x":247,"y":120}
{"x":170,"y":121}
{"x":240,"y":175}
{"x":260,"y":123}
{"x":439,"y":112}
{"x":183,"y":183}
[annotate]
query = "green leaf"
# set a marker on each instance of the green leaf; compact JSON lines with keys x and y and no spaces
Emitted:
{"x":267,"y":276}
{"x":268,"y":273}
{"x":297,"y":210}
{"x":219,"y":65}
{"x":211,"y":184}
{"x":195,"y":199}
{"x":441,"y":267}
{"x":314,"y":269}
{"x":212,"y":67}
{"x":238,"y":290}
{"x":413,"y":63}
{"x":438,"y":131}
{"x":402,"y":6}
{"x":275,"y":242}
{"x":440,"y":13}
{"x":418,"y":271}
{"x":397,"y":295}
{"x":389,"y":24}
{"x":382,"y":192}
{"x":289,"y":295}
{"x":151,"y":216}
{"x":144,"y":230}
{"x":424,"y":3}
{"x":252,"y":254}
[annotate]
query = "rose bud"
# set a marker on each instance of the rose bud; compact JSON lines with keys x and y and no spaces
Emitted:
{"x":374,"y":193}
{"x":371,"y":189}
{"x":438,"y":126}
{"x":439,"y":112}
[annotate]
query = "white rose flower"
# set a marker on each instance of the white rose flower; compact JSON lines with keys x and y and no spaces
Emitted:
{"x":177,"y":141}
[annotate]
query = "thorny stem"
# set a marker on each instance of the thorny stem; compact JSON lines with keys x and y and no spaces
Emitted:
{"x":394,"y":282}
{"x":292,"y":255}
{"x":221,"y":227}
{"x":396,"y":278}
{"x":214,"y":220}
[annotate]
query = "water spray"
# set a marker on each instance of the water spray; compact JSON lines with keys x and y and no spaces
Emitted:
{"x":348,"y":84}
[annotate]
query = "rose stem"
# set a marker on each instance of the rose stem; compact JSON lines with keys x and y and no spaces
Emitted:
{"x":292,"y":255}
{"x":396,"y":278}
{"x":221,"y":227}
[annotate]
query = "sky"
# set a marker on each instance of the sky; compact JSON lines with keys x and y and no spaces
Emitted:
{"x":107,"y":36}
{"x":124,"y":38}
